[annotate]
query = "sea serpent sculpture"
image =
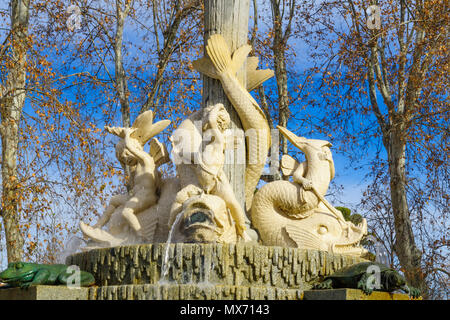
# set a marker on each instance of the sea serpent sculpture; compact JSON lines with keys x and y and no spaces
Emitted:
{"x":295,"y":214}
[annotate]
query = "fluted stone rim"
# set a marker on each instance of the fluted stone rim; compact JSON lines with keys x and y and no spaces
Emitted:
{"x":219,"y":264}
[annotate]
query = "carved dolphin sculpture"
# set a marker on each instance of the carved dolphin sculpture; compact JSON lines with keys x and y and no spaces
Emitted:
{"x":205,"y":218}
{"x":292,"y":213}
{"x":221,"y":64}
{"x":273,"y":209}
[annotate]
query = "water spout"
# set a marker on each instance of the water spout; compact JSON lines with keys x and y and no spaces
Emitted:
{"x":381,"y":253}
{"x":165,"y":263}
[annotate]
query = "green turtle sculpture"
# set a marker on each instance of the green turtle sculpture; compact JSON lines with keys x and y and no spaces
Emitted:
{"x":364,"y":276}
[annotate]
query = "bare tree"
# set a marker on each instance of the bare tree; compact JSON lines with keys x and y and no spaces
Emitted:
{"x":169,"y":28}
{"x":122,"y":11}
{"x":383,"y":84}
{"x":11,"y":106}
{"x":283,"y":12}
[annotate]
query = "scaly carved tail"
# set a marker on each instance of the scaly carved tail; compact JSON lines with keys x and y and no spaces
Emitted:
{"x":221,"y":64}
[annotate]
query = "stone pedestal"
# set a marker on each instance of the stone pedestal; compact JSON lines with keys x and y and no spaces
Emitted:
{"x":44,"y":293}
{"x":352,"y":294}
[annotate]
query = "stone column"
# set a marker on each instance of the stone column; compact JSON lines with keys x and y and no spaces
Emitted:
{"x":230,"y":19}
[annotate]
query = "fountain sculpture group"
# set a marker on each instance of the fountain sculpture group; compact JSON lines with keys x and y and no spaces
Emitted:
{"x":199,"y":205}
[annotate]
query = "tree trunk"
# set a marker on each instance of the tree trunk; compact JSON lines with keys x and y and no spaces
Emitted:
{"x":283,"y":99}
{"x":230,"y":19}
{"x":121,"y":80}
{"x":11,"y":111}
{"x":280,"y":38}
{"x":405,"y":247}
{"x":120,"y":76}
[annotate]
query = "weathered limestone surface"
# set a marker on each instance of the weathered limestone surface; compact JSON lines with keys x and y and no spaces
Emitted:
{"x":217,"y":264}
{"x":352,"y":294}
{"x":45,"y":293}
{"x":199,"y":291}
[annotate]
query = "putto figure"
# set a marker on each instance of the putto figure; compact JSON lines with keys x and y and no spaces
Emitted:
{"x":144,"y":178}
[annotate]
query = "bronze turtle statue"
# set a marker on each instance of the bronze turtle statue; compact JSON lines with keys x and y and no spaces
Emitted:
{"x":363,"y":276}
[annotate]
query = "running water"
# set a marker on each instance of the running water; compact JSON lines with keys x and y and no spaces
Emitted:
{"x":72,"y":245}
{"x":165,"y":265}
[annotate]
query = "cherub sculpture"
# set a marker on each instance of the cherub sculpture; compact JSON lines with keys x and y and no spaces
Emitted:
{"x":144,"y":179}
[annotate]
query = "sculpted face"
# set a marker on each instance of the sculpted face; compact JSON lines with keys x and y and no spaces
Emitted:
{"x":202,"y":219}
{"x":218,"y":114}
{"x":395,"y":280}
{"x":124,"y":155}
{"x":223,"y":118}
{"x":18,"y":271}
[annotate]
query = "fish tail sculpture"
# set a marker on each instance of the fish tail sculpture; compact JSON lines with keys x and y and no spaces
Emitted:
{"x":222,"y":65}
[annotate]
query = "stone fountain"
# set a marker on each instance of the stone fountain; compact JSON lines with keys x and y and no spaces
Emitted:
{"x":189,"y":237}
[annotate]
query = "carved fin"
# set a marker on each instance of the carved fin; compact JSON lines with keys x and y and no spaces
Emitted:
{"x":240,"y":57}
{"x":252,"y":63}
{"x":143,"y":119}
{"x":219,"y":60}
{"x":303,"y":238}
{"x":206,"y":67}
{"x":145,"y":129}
{"x":256,"y":77}
{"x":157,"y":128}
{"x":220,"y":55}
{"x":143,"y":125}
{"x":159,"y":152}
{"x":288,"y":165}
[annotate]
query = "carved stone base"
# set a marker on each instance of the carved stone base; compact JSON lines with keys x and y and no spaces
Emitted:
{"x":44,"y":293}
{"x":192,"y":292}
{"x":353,"y":294}
{"x":237,"y":265}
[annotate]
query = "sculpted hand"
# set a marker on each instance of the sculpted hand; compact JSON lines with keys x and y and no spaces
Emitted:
{"x":240,"y":229}
{"x":307,"y":184}
{"x":129,"y":131}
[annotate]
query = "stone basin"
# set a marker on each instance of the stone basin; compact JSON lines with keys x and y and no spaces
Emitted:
{"x":219,"y":271}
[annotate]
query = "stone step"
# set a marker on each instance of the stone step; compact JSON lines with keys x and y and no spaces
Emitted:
{"x":199,"y":291}
{"x":353,"y":294}
{"x":44,"y":293}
